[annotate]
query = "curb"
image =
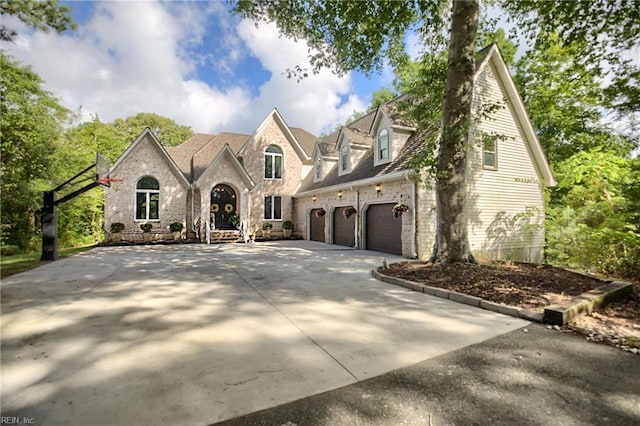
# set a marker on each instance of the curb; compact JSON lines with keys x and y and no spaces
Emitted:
{"x":560,"y":314}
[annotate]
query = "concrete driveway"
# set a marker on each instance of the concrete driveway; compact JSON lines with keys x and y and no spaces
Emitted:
{"x":194,"y":334}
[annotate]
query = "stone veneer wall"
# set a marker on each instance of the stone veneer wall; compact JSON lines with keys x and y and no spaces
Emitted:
{"x":413,"y":243}
{"x":224,"y":172}
{"x":272,"y":134}
{"x":145,"y":160}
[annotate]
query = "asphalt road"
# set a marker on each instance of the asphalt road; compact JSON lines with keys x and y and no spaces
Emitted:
{"x":531,"y":376}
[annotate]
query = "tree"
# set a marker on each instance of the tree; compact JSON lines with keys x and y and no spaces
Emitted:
{"x":605,"y":31}
{"x":380,"y":97}
{"x":30,"y":123}
{"x":564,"y":99}
{"x":594,"y":225}
{"x":168,"y":131}
{"x":39,"y":14}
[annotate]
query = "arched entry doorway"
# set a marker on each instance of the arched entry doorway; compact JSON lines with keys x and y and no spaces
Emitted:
{"x":223,"y":205}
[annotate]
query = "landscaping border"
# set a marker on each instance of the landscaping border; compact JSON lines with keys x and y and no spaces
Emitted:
{"x":559,"y":314}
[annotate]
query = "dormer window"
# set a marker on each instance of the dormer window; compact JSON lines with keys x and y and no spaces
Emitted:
{"x":383,"y":147}
{"x":318,"y":175}
{"x":273,"y":162}
{"x":345,"y":152}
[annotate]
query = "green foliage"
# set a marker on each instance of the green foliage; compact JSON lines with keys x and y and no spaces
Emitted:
{"x":380,"y":97}
{"x":168,"y":131}
{"x":347,"y":35}
{"x":605,"y":32}
{"x":117,"y":227}
{"x":39,"y":14}
{"x":287,"y":224}
{"x":592,"y":222}
{"x":499,"y":36}
{"x":30,"y":123}
{"x":146,"y":227}
{"x":564,"y":100}
{"x":266,"y":226}
{"x":177,"y":226}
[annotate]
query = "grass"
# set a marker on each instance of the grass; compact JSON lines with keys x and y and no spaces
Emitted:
{"x":14,"y":264}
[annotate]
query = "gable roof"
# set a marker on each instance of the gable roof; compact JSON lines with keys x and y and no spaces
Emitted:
{"x":228,"y":152}
{"x":365,"y":168}
{"x":203,"y":157}
{"x":492,"y":54}
{"x":183,"y":153}
{"x":163,"y":152}
{"x":275,"y":115}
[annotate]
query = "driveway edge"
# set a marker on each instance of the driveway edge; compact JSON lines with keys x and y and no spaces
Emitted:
{"x":560,"y":314}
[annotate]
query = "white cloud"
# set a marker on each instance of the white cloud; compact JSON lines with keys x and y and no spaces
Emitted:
{"x":142,"y":57}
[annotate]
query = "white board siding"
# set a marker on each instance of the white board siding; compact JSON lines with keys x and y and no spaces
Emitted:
{"x":495,"y":197}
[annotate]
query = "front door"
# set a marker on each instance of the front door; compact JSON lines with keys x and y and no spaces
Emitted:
{"x":223,"y":205}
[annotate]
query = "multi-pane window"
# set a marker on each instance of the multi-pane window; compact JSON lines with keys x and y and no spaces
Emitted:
{"x":318,"y":168}
{"x":273,"y":207}
{"x":344,"y":158}
{"x":273,"y":162}
{"x":489,"y":154}
{"x":147,"y":199}
{"x":383,"y":145}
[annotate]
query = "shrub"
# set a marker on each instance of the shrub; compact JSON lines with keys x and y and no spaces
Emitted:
{"x":287,"y":224}
{"x":176,"y":227}
{"x":146,"y":227}
{"x":117,"y":227}
{"x":267,"y":225}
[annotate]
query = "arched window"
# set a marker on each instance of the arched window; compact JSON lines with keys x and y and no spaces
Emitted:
{"x":147,"y":199}
{"x":383,"y":145}
{"x":273,"y":162}
{"x":344,"y":158}
{"x":319,"y":168}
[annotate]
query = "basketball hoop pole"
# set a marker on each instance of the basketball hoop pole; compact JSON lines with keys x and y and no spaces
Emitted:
{"x":50,"y":217}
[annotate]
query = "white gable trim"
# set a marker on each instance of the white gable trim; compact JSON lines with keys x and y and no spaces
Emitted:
{"x":285,"y":128}
{"x":513,"y":97}
{"x":159,"y":147}
{"x":234,"y":160}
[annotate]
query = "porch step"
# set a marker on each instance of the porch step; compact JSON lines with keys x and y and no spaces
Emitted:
{"x":230,"y":236}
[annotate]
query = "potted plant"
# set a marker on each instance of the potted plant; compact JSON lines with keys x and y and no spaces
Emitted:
{"x":287,"y":228}
{"x":116,"y":232}
{"x":348,"y":212}
{"x":176,"y":228}
{"x":146,"y":231}
{"x":266,"y":229}
{"x":234,"y":220}
{"x":398,"y":209}
{"x":320,"y":212}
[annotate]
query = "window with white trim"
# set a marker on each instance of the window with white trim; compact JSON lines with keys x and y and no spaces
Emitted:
{"x":318,"y":175}
{"x":345,"y":152}
{"x":490,"y":154}
{"x":273,"y":207}
{"x":147,"y":199}
{"x":382,"y":151}
{"x":273,"y":162}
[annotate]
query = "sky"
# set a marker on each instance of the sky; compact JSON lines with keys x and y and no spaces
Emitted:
{"x":194,"y":62}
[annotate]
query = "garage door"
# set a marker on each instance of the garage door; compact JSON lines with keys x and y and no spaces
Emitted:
{"x":344,"y":229}
{"x":383,"y":230}
{"x":317,"y":226}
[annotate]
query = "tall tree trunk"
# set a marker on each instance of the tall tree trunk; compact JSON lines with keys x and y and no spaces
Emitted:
{"x":452,"y":242}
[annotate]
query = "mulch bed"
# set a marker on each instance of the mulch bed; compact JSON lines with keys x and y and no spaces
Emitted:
{"x":533,"y":287}
{"x":528,"y":286}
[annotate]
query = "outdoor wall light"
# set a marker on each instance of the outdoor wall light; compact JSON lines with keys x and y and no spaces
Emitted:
{"x":378,"y":190}
{"x":339,"y":194}
{"x":314,"y":198}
